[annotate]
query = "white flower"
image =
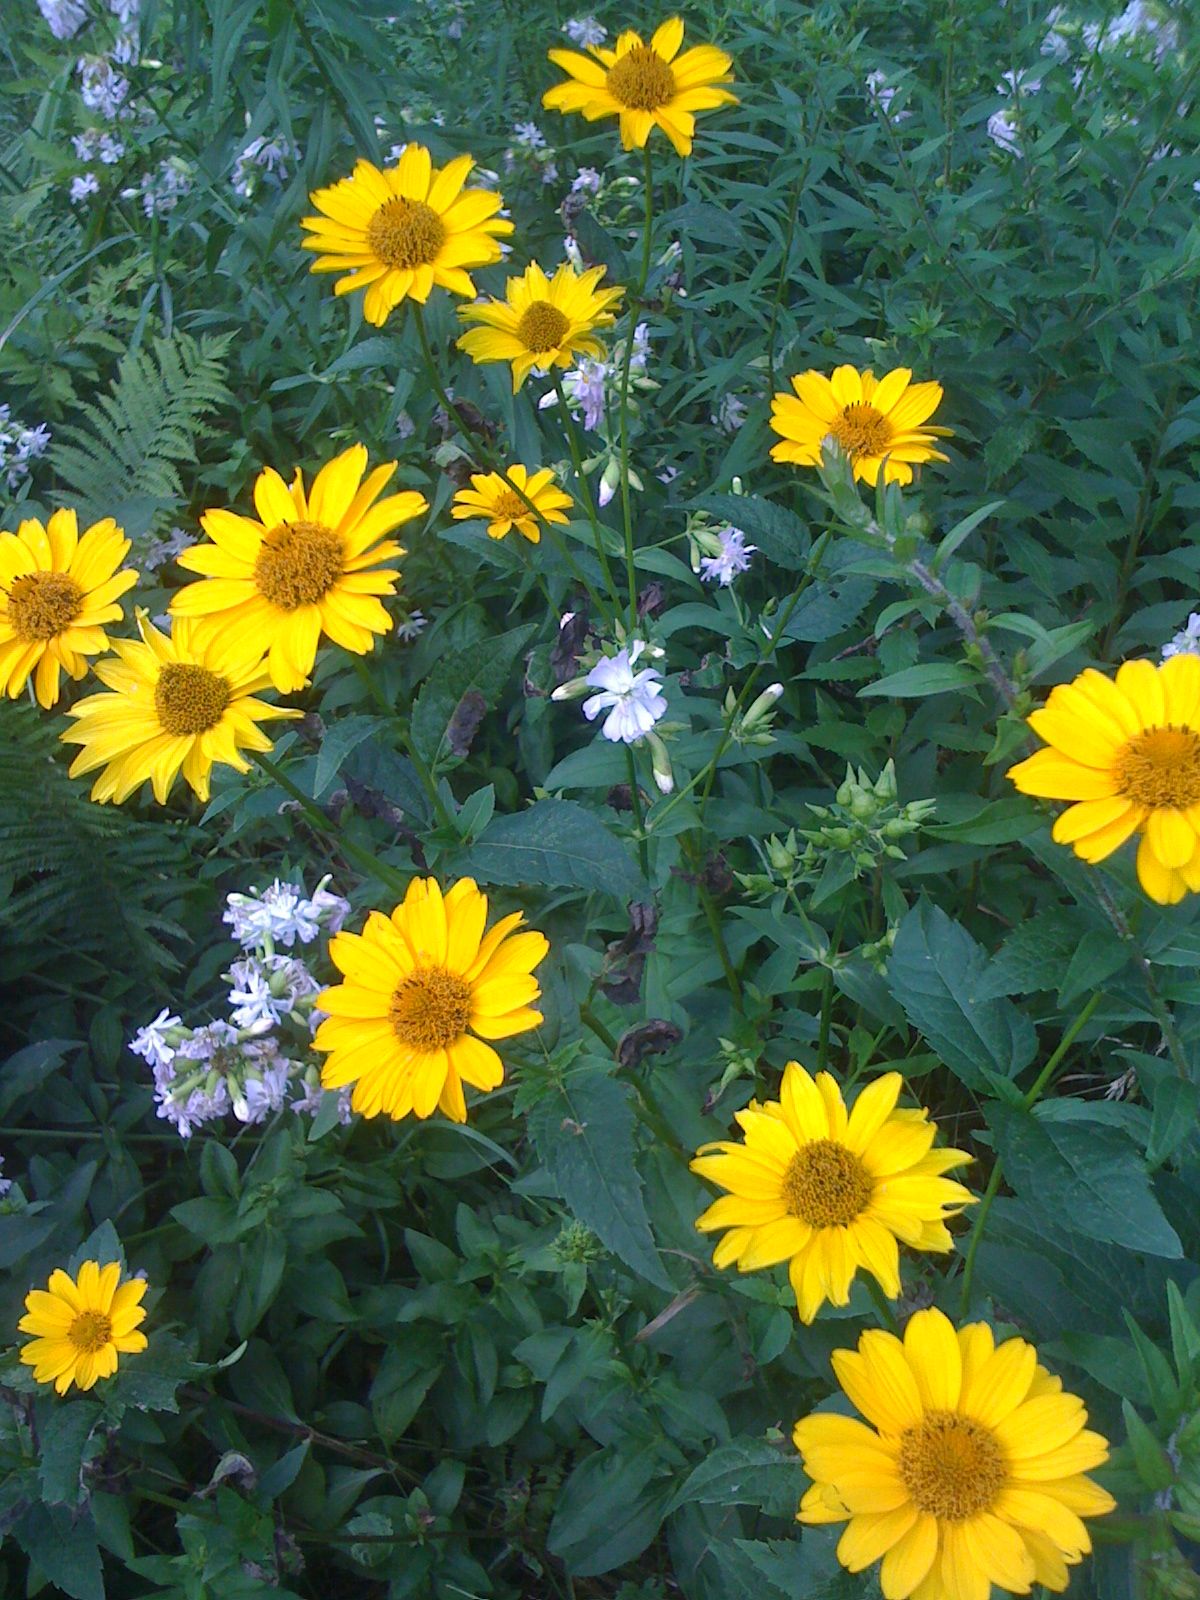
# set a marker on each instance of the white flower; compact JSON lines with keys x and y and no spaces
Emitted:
{"x":410,"y":627}
{"x":280,"y":914}
{"x":126,"y":11}
{"x":634,"y":700}
{"x":330,"y":909}
{"x":586,"y":181}
{"x":126,"y":52}
{"x":254,"y":1006}
{"x":101,"y":88}
{"x":734,"y":557}
{"x":585,"y":31}
{"x":405,"y":426}
{"x":19,"y":446}
{"x":1136,"y":22}
{"x":64,"y":18}
{"x":529,"y":135}
{"x":151,"y":1042}
{"x":83,"y":186}
{"x":1002,"y":129}
{"x":883,"y":93}
{"x":1187,"y":641}
{"x":1021,"y":82}
{"x":730,"y":413}
{"x":162,"y":191}
{"x":262,"y":158}
{"x":160,"y":551}
{"x":264,"y":1091}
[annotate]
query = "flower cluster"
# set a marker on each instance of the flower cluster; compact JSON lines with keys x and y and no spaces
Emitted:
{"x":19,"y":445}
{"x":262,"y":161}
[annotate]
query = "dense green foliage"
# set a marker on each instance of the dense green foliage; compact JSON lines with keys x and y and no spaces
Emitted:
{"x":495,"y":1360}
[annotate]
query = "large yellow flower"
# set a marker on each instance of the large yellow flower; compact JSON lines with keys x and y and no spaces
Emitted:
{"x":399,"y":231}
{"x":646,"y":85}
{"x":82,"y":1325}
{"x":1129,"y":754}
{"x":177,"y":704}
{"x":541,"y":322}
{"x":56,"y":592}
{"x":829,"y":1191}
{"x":415,"y":983}
{"x":971,"y":1472}
{"x":491,"y":497}
{"x":311,"y":566}
{"x":869,"y":417}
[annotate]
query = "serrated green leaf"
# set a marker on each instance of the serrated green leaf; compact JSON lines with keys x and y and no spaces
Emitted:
{"x":556,"y":843}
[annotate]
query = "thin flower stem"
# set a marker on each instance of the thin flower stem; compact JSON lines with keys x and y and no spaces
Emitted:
{"x":882,"y":1304}
{"x":368,"y":864}
{"x":635,"y":306}
{"x":575,"y":447}
{"x":635,"y":800}
{"x":835,"y":943}
{"x":427,"y":779}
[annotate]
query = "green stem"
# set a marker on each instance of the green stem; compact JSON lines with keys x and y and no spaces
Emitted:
{"x":574,"y":446}
{"x":882,"y":1304}
{"x":635,"y":305}
{"x":427,"y":779}
{"x":639,"y":820}
{"x":835,"y":943}
{"x":368,"y":864}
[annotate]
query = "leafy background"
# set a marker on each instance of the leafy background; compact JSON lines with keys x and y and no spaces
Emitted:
{"x":496,"y":1360}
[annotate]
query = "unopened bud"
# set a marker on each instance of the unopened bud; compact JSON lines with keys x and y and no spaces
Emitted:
{"x":573,"y":689}
{"x":660,"y":764}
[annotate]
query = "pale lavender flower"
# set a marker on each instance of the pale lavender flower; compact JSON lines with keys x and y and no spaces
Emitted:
{"x":160,"y":551}
{"x":1002,"y":130}
{"x":412,"y":626}
{"x":19,"y":446}
{"x":730,"y":413}
{"x":529,"y":135}
{"x":1187,"y":641}
{"x":585,"y":388}
{"x":253,"y":1006}
{"x":607,"y":490}
{"x":405,"y":426}
{"x":1020,"y":82}
{"x":331,"y":910}
{"x":586,"y":181}
{"x":151,"y":1042}
{"x":83,"y":186}
{"x":125,"y":11}
{"x":1137,"y":21}
{"x":585,"y":31}
{"x":882,"y":93}
{"x":634,"y":701}
{"x":280,"y":914}
{"x":262,"y":159}
{"x":264,"y":1091}
{"x":64,"y":18}
{"x":98,"y":142}
{"x":734,"y":557}
{"x":101,"y":87}
{"x":162,"y":191}
{"x":126,"y":51}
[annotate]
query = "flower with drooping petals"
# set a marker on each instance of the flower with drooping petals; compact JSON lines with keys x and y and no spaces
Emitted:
{"x":634,"y":700}
{"x":491,"y":497}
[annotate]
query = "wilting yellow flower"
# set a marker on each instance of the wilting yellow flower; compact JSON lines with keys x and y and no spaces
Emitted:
{"x":490,"y":496}
{"x":399,"y":231}
{"x":869,"y":417}
{"x":829,"y":1192}
{"x":56,"y":591}
{"x":971,"y":1472}
{"x":541,"y":322}
{"x":82,"y":1325}
{"x":646,"y":85}
{"x":311,"y":566}
{"x":1129,"y":754}
{"x":397,"y":1029}
{"x":177,"y":704}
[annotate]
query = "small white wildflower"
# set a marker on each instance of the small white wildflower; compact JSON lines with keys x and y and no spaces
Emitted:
{"x":529,"y":135}
{"x":411,"y":626}
{"x":151,"y":1042}
{"x":126,"y":51}
{"x":160,"y":551}
{"x":882,"y":93}
{"x":585,"y":31}
{"x":101,"y":87}
{"x":83,"y":186}
{"x":281,"y":915}
{"x":1002,"y":130}
{"x":19,"y":445}
{"x":64,"y":18}
{"x":1187,"y":641}
{"x":125,"y":11}
{"x":730,"y":413}
{"x":634,"y":700}
{"x":162,"y":191}
{"x":262,"y":159}
{"x":1020,"y":82}
{"x":5,"y":1183}
{"x":733,"y":558}
{"x":405,"y":426}
{"x":586,"y":181}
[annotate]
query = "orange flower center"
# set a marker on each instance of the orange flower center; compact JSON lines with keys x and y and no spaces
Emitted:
{"x":1161,"y":768}
{"x":861,"y":430}
{"x":826,"y":1185}
{"x":542,"y":326}
{"x":508,"y":503}
{"x":430,"y":1009}
{"x":406,"y":234}
{"x":189,"y":699}
{"x":42,"y":605}
{"x":953,"y":1468}
{"x":641,"y":79}
{"x":90,"y":1331}
{"x":298,"y":564}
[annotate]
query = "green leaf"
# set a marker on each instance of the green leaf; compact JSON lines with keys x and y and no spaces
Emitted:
{"x":556,"y":843}
{"x":606,"y":1512}
{"x":483,"y":671}
{"x":1174,"y":1118}
{"x":778,"y":533}
{"x":913,"y":683}
{"x":1086,"y":1176}
{"x":63,"y":1550}
{"x":742,"y":1473}
{"x":937,"y":972}
{"x":63,"y":1432}
{"x":1152,"y":1462}
{"x":344,"y":736}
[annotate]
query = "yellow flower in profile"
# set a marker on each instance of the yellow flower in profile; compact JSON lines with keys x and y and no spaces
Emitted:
{"x":1128,"y":754}
{"x":491,"y":497}
{"x":57,"y":589}
{"x":82,"y":1324}
{"x":971,"y":1473}
{"x":398,"y":232}
{"x":416,"y":982}
{"x":646,"y":85}
{"x":177,"y":704}
{"x":869,"y":417}
{"x":541,"y":322}
{"x":310,"y":566}
{"x":830,"y":1191}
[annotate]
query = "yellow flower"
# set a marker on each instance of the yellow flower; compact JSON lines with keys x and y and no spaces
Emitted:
{"x":416,"y":982}
{"x":56,"y":591}
{"x":497,"y":500}
{"x":311,"y":566}
{"x":400,"y":231}
{"x":1129,"y":754}
{"x":869,"y":417}
{"x":177,"y":704}
{"x":646,"y":85}
{"x":541,"y":322}
{"x":971,"y":1472}
{"x":829,"y":1192}
{"x":82,"y":1325}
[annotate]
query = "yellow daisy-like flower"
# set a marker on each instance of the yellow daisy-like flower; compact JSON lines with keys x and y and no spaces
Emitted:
{"x":311,"y":566}
{"x":541,"y":322}
{"x":869,"y":417}
{"x":971,"y":1473}
{"x":82,"y":1324}
{"x":1128,"y":754}
{"x":416,"y":981}
{"x":830,"y":1191}
{"x":646,"y":85}
{"x":493,"y":498}
{"x":57,"y":589}
{"x":177,"y":704}
{"x":399,"y":231}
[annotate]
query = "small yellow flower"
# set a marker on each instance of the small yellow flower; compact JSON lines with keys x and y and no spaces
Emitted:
{"x":312,"y":565}
{"x":82,"y":1325}
{"x":541,"y":322}
{"x":177,"y":704}
{"x":869,"y":417}
{"x":829,"y":1191}
{"x":645,"y":85}
{"x":400,"y":231}
{"x":497,"y":500}
{"x":416,"y":982}
{"x":57,"y":589}
{"x":969,"y":1471}
{"x":1128,"y":754}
